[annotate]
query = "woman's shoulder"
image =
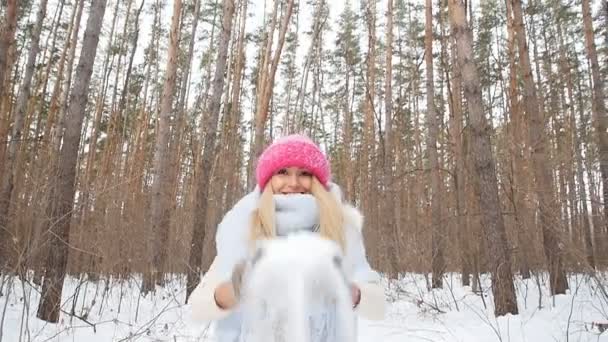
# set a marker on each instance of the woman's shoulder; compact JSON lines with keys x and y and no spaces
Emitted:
{"x":246,"y":203}
{"x":237,"y":218}
{"x":353,"y":218}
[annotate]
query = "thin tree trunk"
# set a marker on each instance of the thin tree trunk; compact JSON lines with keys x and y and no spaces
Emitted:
{"x":88,"y":179}
{"x":205,"y":165}
{"x":600,"y":117}
{"x":438,"y":242}
{"x":49,"y":306}
{"x":233,"y":144}
{"x":565,"y":71}
{"x":266,"y":85}
{"x":160,"y":208}
{"x":456,"y":125}
{"x":580,"y":167}
{"x":518,"y":152}
{"x":492,"y":221}
{"x":367,"y":171}
{"x":542,"y":171}
{"x":391,"y":226}
{"x":10,"y":171}
{"x":58,"y":133}
{"x":7,"y":40}
{"x":181,"y":108}
{"x":43,"y":85}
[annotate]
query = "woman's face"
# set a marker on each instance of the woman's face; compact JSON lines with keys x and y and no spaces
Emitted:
{"x":291,"y":180}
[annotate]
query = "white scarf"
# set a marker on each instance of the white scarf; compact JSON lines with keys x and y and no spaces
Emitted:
{"x":295,"y":212}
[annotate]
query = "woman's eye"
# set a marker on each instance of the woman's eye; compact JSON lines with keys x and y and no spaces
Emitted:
{"x":305,"y":174}
{"x":282,"y":172}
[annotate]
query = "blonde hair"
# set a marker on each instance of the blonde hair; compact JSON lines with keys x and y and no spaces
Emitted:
{"x":331,"y":217}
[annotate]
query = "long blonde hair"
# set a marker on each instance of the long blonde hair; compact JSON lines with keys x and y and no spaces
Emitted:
{"x":331,"y":217}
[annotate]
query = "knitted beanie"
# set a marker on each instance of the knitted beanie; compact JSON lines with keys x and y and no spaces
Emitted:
{"x":292,"y":151}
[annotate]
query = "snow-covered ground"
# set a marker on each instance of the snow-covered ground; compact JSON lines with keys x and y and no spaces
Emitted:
{"x":119,"y":313}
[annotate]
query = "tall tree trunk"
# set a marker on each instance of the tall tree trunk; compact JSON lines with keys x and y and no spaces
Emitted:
{"x":542,"y":170}
{"x":235,"y":111}
{"x":438,"y":234}
{"x":160,"y":208}
{"x":7,"y":40}
{"x":566,"y":72}
{"x":45,"y":75}
{"x":391,"y":226}
{"x":600,"y":117}
{"x":455,"y":130}
{"x":205,"y":164}
{"x":47,"y":162}
{"x":456,"y":126}
{"x":10,"y":172}
{"x":519,"y":184}
{"x":266,"y":85}
{"x":182,"y":104}
{"x":87,"y":180}
{"x":579,"y":137}
{"x":50,"y":301}
{"x":368,"y":143}
{"x":487,"y":185}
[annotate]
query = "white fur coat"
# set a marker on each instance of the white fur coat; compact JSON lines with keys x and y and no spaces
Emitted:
{"x":232,"y":244}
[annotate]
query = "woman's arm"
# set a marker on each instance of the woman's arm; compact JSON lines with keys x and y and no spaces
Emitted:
{"x":372,"y":304}
{"x":231,"y":245}
{"x":203,"y":298}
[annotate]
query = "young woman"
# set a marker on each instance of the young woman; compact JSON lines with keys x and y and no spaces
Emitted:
{"x":293,"y":193}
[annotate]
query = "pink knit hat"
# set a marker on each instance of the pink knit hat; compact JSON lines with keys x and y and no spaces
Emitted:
{"x":292,"y":151}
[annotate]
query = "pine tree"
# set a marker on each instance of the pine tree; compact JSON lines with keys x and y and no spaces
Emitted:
{"x":486,"y":183}
{"x":539,"y":153}
{"x":10,"y":165}
{"x":438,"y":242}
{"x":209,"y":149}
{"x":50,"y":299}
{"x":600,"y":117}
{"x":159,"y":211}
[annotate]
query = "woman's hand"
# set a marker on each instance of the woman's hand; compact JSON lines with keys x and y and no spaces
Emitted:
{"x":355,"y":294}
{"x":224,"y":296}
{"x":228,"y":293}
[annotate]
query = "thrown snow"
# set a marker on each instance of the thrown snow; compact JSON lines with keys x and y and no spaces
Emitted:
{"x":119,"y":313}
{"x":293,"y":279}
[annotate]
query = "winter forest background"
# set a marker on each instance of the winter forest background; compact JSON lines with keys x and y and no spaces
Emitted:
{"x":473,"y":135}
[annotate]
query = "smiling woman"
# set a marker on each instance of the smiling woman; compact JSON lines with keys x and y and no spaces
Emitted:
{"x":293,"y":194}
{"x":291,"y":180}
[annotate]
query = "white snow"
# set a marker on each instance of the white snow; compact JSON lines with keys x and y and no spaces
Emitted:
{"x":454,"y":313}
{"x":286,"y":284}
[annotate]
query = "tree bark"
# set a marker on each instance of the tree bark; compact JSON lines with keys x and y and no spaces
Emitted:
{"x":600,"y":118}
{"x":160,"y":208}
{"x":565,"y":69}
{"x":235,"y":112}
{"x":10,"y":172}
{"x":519,"y":185}
{"x":438,"y":234}
{"x":456,"y":134}
{"x":49,"y":306}
{"x":391,"y":230}
{"x":368,"y":144}
{"x":7,"y":40}
{"x":205,"y":164}
{"x":485,"y":170}
{"x":542,"y":172}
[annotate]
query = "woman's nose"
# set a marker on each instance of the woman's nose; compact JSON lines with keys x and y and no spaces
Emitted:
{"x":293,"y":180}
